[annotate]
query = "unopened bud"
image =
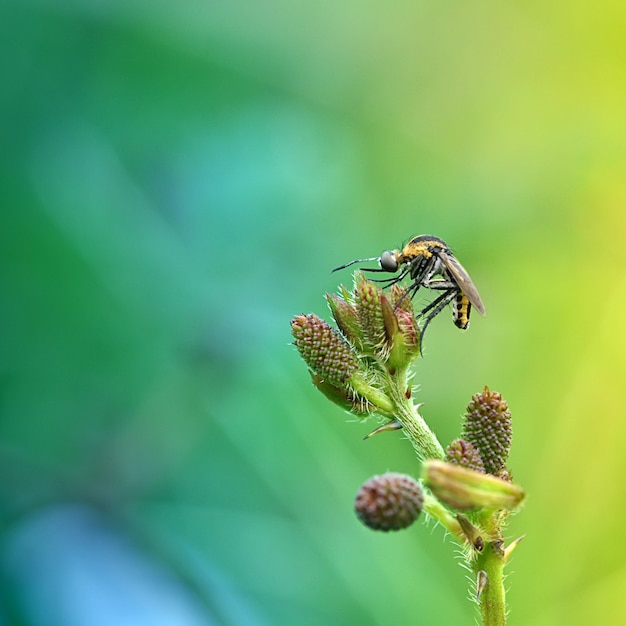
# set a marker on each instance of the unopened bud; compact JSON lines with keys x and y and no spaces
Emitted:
{"x":463,"y":453}
{"x":488,"y":426}
{"x":345,"y":314}
{"x":323,"y":349}
{"x":367,"y":301}
{"x":464,"y":489}
{"x":389,"y":502}
{"x":400,"y":299}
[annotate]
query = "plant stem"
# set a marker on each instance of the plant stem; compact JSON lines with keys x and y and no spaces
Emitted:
{"x":492,"y":600}
{"x":424,"y":441}
{"x":441,"y":514}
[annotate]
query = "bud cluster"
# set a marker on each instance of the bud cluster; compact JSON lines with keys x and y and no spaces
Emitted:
{"x":473,"y":474}
{"x":381,"y":327}
{"x":377,"y":336}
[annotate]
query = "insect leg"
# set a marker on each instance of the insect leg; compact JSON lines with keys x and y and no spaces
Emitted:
{"x":393,"y":280}
{"x":439,"y":302}
{"x":371,"y":269}
{"x":436,"y":306}
{"x":440,"y":284}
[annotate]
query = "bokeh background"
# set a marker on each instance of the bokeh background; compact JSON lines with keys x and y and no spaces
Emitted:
{"x":178,"y":179}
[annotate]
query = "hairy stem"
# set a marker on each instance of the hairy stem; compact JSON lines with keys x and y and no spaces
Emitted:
{"x":492,"y":600}
{"x":441,"y":514}
{"x":424,"y":441}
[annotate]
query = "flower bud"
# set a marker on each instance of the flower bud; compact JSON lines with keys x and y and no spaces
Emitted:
{"x":336,"y":367}
{"x":410,"y":332}
{"x":396,"y":354}
{"x":323,"y":349}
{"x":400,"y":299}
{"x":389,"y":502}
{"x":367,"y":298}
{"x":345,"y":314}
{"x":388,"y":326}
{"x":403,"y":308}
{"x":463,"y":453}
{"x":464,"y":489}
{"x":488,"y":426}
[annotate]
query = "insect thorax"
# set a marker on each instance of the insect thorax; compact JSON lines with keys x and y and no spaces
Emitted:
{"x":422,"y":246}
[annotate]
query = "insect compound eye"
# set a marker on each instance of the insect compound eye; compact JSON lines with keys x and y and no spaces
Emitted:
{"x":388,"y":262}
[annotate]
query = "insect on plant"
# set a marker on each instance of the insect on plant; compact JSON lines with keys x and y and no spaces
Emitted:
{"x":429,"y":263}
{"x":364,"y":366}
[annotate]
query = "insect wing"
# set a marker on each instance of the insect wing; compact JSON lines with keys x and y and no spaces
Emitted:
{"x":463,"y":280}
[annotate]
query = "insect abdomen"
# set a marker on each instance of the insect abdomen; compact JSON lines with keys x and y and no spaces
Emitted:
{"x":461,"y":311}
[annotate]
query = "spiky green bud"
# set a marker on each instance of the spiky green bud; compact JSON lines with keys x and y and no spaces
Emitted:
{"x":341,"y":362}
{"x":388,"y":328}
{"x":410,"y":331}
{"x":391,"y":501}
{"x":345,"y":314}
{"x":400,"y":299}
{"x":336,"y":368}
{"x":488,"y":426}
{"x":367,"y":298}
{"x":323,"y":349}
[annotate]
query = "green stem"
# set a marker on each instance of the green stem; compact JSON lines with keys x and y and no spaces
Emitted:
{"x":492,"y":600}
{"x":378,"y":398}
{"x":424,"y":441}
{"x":439,"y":512}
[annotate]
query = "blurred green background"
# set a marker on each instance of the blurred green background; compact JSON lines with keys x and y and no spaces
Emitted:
{"x":177,"y":182}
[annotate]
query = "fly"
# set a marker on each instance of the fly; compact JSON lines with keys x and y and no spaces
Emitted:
{"x":429,"y":263}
